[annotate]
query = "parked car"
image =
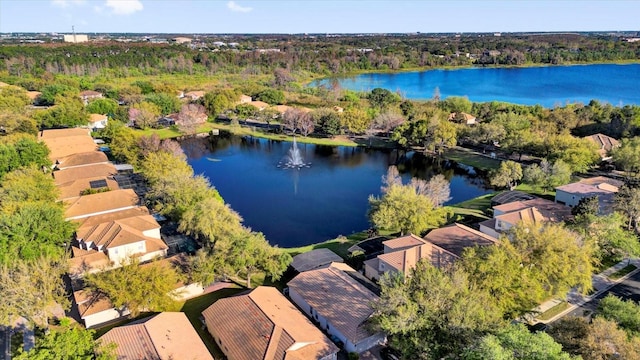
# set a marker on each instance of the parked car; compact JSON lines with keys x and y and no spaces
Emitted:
{"x":539,"y":326}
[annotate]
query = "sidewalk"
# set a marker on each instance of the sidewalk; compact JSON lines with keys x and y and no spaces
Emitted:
{"x":601,"y":283}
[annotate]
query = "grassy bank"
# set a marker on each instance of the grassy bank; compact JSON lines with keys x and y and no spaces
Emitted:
{"x":338,"y":245}
{"x":472,"y":158}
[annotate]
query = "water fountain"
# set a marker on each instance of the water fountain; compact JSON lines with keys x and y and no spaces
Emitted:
{"x":293,"y":159}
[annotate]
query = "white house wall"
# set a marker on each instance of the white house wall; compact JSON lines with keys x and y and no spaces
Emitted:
{"x":103,"y":317}
{"x":153,"y":233}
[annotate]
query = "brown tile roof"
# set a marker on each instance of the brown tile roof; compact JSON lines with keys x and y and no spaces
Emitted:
{"x":467,"y":117}
{"x":90,"y":303}
{"x":456,"y":237}
{"x":259,"y":104}
{"x":33,"y":94}
{"x":598,"y":180}
{"x":96,"y":117}
{"x":82,"y":172}
{"x":604,"y":143}
{"x":80,"y":159}
{"x":84,"y":261}
{"x":552,"y":211}
{"x":112,"y":216}
{"x":168,"y":335}
{"x":530,"y":214}
{"x":403,"y":242}
{"x":106,"y":202}
{"x":65,"y":142}
{"x":118,"y":232}
{"x":344,"y":302}
{"x":75,"y":188}
{"x":263,"y":324}
{"x":405,"y":260}
{"x":585,"y":190}
{"x":90,"y":93}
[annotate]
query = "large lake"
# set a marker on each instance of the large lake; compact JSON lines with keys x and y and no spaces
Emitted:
{"x":300,"y":207}
{"x":548,"y":86}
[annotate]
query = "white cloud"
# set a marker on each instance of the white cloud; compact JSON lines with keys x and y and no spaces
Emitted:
{"x":231,"y":5}
{"x":97,"y":8}
{"x":66,"y":3}
{"x":124,"y":7}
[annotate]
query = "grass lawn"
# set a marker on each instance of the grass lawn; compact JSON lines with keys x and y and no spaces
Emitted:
{"x":16,"y":343}
{"x":622,"y":272}
{"x":471,"y":158}
{"x":193,"y":309}
{"x":549,"y":314}
{"x":243,"y":130}
{"x":338,"y":245}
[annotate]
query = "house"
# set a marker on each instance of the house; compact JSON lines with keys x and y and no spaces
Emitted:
{"x":536,"y":210}
{"x":604,"y":143}
{"x":602,"y":187}
{"x":338,"y":109}
{"x":182,"y":40}
{"x":74,"y":173}
{"x":510,"y":196}
{"x":463,"y":118}
{"x":455,"y":238}
{"x":339,"y":304}
{"x":75,"y":188}
{"x":33,"y":95}
{"x":89,"y":95}
{"x":96,"y":308}
{"x":119,"y":239}
{"x":263,"y":324}
{"x":194,"y":95}
{"x":101,"y":203}
{"x":66,"y":142}
{"x":97,"y":121}
{"x":314,"y":259}
{"x":75,"y":38}
{"x":245,"y":99}
{"x":164,"y":336}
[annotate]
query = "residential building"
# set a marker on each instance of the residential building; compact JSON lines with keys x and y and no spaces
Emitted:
{"x":76,"y":38}
{"x":65,"y":142}
{"x":89,"y":95}
{"x":260,"y":105}
{"x":114,"y":242}
{"x":96,"y":308}
{"x":602,"y":187}
{"x":81,"y":160}
{"x":245,"y":99}
{"x":339,"y":304}
{"x":604,"y":143}
{"x":72,"y":189}
{"x":164,"y":336}
{"x":97,"y":121}
{"x":182,"y":40}
{"x":194,"y":95}
{"x":101,"y":203}
{"x":73,"y":173}
{"x":264,"y":325}
{"x":536,"y":210}
{"x":457,"y":237}
{"x":463,"y":117}
{"x":314,"y":259}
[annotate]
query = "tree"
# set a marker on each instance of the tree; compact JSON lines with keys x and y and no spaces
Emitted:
{"x":14,"y":122}
{"x":68,"y":343}
{"x":137,"y":287}
{"x":535,"y":262}
{"x":403,"y":209}
{"x":507,"y":175}
{"x":190,"y":117}
{"x":52,"y":93}
{"x":382,"y":98}
{"x":387,"y":121}
{"x":217,"y":102}
{"x":271,"y":96}
{"x":26,"y":185}
{"x":166,"y":103}
{"x":144,"y":114}
{"x":516,"y":342}
{"x":210,"y":220}
{"x":33,"y":229}
{"x":328,"y":121}
{"x":44,"y":274}
{"x":586,"y":206}
{"x":102,"y":106}
{"x":437,"y":189}
{"x":600,"y":339}
{"x":611,"y":239}
{"x":355,"y":120}
{"x":293,"y":118}
{"x":248,"y":253}
{"x":627,"y":202}
{"x":68,"y":112}
{"x":282,"y":77}
{"x":627,"y":155}
{"x":626,"y":313}
{"x":432,"y":313}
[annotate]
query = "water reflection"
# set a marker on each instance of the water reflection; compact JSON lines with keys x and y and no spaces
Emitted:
{"x":298,"y":207}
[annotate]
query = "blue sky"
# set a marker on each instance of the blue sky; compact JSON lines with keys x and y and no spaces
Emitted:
{"x":317,"y":16}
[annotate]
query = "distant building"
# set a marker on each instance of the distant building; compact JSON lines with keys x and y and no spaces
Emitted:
{"x":76,"y":38}
{"x":604,"y":143}
{"x":462,"y":118}
{"x":97,"y":121}
{"x":182,"y":40}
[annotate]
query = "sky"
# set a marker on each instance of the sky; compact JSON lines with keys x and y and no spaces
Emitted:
{"x":317,"y":16}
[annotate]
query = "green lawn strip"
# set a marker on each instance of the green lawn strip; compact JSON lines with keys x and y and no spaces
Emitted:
{"x":605,"y":264}
{"x":471,"y":158}
{"x":338,"y":245}
{"x":534,"y":190}
{"x":622,"y":272}
{"x":549,"y":314}
{"x":17,"y":339}
{"x":482,"y":203}
{"x":193,"y":309}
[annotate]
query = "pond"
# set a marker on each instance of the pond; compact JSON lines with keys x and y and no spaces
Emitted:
{"x":296,"y":207}
{"x":547,"y":85}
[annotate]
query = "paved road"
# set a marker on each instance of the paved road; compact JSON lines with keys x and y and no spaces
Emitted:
{"x":5,"y":343}
{"x":627,"y":289}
